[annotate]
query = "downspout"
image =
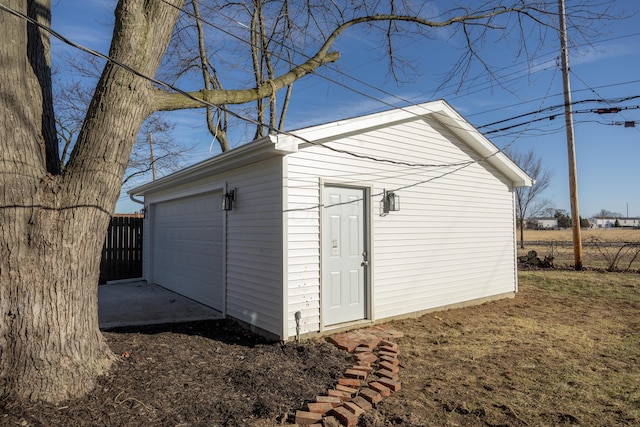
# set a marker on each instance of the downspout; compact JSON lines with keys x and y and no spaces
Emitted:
{"x":133,"y":199}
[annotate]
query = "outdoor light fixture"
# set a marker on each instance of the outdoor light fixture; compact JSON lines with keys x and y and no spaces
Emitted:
{"x":390,"y":202}
{"x":227,"y":200}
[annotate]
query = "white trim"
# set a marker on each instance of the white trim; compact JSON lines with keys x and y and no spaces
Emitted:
{"x":225,"y":235}
{"x":281,"y":145}
{"x":321,"y":184}
{"x":284,"y":333}
{"x":253,"y":152}
{"x":441,"y":110}
{"x":515,"y":240}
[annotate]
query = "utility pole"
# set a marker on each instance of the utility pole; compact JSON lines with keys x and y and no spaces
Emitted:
{"x":573,"y":180}
{"x":153,"y":161}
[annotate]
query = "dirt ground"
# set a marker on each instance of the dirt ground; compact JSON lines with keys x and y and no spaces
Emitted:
{"x":565,"y":351}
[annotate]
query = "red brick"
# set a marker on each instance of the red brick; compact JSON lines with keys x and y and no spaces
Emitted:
{"x":355,"y":409}
{"x":366,"y":368}
{"x":387,"y":333}
{"x":362,"y":349}
{"x":371,"y":395}
{"x":383,"y":390}
{"x":393,"y":360}
{"x":343,"y":395}
{"x":387,"y":374}
{"x":335,"y":401}
{"x":320,"y":407}
{"x":395,"y":353}
{"x":362,"y":363}
{"x":354,"y":373}
{"x":347,"y":389}
{"x":393,"y":385}
{"x":345,"y":416}
{"x":353,"y":336}
{"x":350,"y":382}
{"x":362,"y":402}
{"x":371,"y":341}
{"x":365,"y":338}
{"x":389,"y":366}
{"x":306,"y":418}
{"x":366,"y":357}
{"x":387,"y":343}
{"x":342,"y":342}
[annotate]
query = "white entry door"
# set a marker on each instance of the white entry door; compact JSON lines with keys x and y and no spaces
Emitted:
{"x":343,"y":255}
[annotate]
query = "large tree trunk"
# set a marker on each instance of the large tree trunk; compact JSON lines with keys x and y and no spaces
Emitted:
{"x":52,"y":225}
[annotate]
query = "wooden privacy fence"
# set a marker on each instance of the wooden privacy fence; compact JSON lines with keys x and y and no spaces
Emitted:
{"x":122,"y":251}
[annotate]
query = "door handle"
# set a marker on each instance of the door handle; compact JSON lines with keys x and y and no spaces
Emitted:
{"x":364,"y":263}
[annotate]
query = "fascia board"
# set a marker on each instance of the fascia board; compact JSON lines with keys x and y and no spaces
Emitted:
{"x":484,"y":147}
{"x":440,"y":109}
{"x":258,"y":150}
{"x":328,"y":131}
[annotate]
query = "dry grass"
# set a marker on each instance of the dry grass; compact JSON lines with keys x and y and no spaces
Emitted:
{"x":602,"y":248}
{"x":565,"y":351}
{"x":604,"y":234}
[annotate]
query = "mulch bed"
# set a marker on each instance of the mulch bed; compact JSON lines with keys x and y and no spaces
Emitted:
{"x":209,"y":373}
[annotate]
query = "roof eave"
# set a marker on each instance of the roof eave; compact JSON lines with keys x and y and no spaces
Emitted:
{"x":441,"y":110}
{"x":261,"y":149}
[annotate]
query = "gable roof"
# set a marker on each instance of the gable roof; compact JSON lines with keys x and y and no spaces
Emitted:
{"x":289,"y":142}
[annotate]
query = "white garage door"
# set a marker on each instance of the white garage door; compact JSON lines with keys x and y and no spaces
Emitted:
{"x":187,"y":248}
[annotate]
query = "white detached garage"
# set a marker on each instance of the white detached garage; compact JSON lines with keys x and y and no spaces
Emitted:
{"x":338,"y":225}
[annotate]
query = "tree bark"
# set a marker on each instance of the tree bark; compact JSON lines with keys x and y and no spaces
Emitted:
{"x":52,"y":225}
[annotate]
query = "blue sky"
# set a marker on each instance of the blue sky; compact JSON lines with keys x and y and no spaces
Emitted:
{"x":607,"y":154}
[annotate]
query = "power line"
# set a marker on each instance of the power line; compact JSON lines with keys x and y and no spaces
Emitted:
{"x":205,"y":103}
{"x":611,"y":110}
{"x":329,"y":66}
{"x":229,"y":33}
{"x":233,"y":20}
{"x":553,"y":116}
{"x":554,"y":107}
{"x":242,"y":40}
{"x":554,"y":95}
{"x":167,"y":85}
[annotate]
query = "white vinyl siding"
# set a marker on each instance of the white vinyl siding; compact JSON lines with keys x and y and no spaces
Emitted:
{"x":254,"y":246}
{"x":303,"y":254}
{"x":451,"y":241}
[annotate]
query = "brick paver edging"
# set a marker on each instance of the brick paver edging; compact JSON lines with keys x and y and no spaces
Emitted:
{"x":374,"y":376}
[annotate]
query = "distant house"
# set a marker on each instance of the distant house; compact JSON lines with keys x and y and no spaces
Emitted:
{"x":629,"y":222}
{"x":611,"y":222}
{"x":547,"y":223}
{"x":340,"y":225}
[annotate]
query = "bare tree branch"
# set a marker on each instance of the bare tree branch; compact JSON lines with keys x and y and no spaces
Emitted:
{"x":528,"y":199}
{"x":172,"y":101}
{"x":217,"y":128}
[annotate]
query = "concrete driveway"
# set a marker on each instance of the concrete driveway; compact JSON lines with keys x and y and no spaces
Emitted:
{"x":138,"y":303}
